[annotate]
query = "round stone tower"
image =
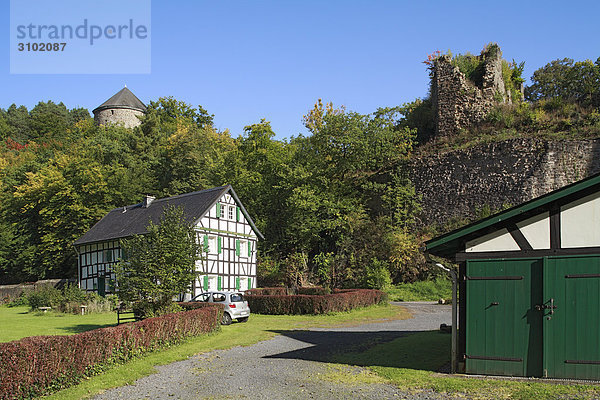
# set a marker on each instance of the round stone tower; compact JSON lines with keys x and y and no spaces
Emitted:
{"x":123,"y":108}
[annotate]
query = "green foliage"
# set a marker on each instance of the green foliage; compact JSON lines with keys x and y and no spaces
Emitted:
{"x":471,"y":66}
{"x":66,"y":300}
{"x":419,"y":115}
{"x":377,"y":275}
{"x":568,"y":81}
{"x":159,"y":265}
{"x":320,"y":194}
{"x":430,"y":290}
{"x":45,"y":296}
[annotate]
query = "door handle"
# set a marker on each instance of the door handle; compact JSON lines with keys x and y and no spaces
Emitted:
{"x":550,"y":307}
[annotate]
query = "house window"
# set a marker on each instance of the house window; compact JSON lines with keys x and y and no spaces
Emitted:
{"x":231,"y":213}
{"x":211,"y":282}
{"x":212,"y":244}
{"x":242,"y":250}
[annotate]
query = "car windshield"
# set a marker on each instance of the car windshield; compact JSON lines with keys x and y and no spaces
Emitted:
{"x":235,"y":297}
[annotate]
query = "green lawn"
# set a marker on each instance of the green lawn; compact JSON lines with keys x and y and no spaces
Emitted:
{"x":410,"y":363}
{"x":18,"y":322}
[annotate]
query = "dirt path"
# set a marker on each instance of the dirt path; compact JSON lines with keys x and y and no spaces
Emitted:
{"x":290,"y":366}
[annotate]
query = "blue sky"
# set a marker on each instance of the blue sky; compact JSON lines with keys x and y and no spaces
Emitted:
{"x":247,"y":60}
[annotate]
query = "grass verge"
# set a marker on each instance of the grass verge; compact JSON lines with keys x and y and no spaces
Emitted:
{"x":18,"y":322}
{"x":421,"y":291}
{"x":258,"y":328}
{"x":410,"y":363}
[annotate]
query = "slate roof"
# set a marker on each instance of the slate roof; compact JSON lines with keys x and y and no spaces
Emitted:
{"x":123,"y":99}
{"x":132,"y":220}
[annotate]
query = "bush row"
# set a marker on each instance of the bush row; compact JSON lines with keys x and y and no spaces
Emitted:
{"x":283,"y":291}
{"x":32,"y":366}
{"x":194,"y":305}
{"x":340,"y":300}
{"x":269,"y":291}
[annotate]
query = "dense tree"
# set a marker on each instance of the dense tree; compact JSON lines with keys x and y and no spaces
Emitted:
{"x":158,"y":265}
{"x":328,"y":203}
{"x":568,"y":81}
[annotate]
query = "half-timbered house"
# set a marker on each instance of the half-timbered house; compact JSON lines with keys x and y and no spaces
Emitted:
{"x":223,"y":227}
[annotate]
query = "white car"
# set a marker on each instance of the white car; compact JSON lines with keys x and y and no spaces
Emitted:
{"x":234,"y":305}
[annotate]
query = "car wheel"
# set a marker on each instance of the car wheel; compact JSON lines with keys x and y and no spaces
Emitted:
{"x":226,"y":320}
{"x":243,"y":319}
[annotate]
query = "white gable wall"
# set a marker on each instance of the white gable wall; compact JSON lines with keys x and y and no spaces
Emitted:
{"x":580,"y":222}
{"x":232,"y":265}
{"x":537,"y":231}
{"x":496,"y":241}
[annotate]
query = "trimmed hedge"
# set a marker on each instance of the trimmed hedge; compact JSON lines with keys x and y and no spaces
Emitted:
{"x":340,"y":300}
{"x":283,"y":291}
{"x":269,"y":291}
{"x":316,"y":290}
{"x":35,"y":365}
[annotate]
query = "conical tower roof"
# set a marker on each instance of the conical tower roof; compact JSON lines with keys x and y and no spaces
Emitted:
{"x":123,"y":99}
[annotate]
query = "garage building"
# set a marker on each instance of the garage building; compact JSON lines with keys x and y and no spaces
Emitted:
{"x":529,"y":285}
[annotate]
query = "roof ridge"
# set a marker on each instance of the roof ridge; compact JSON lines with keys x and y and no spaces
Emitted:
{"x":192,"y":193}
{"x":129,"y":206}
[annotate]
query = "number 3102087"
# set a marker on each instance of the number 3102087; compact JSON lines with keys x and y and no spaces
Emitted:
{"x":41,"y":46}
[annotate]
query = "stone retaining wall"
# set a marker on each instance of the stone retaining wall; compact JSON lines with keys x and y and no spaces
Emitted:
{"x":459,"y":183}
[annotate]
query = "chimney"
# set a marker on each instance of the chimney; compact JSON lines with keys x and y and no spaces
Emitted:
{"x":147,"y":201}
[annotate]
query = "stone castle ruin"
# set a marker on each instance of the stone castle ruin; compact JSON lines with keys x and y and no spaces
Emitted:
{"x":123,"y":108}
{"x":460,"y":101}
{"x":461,"y":182}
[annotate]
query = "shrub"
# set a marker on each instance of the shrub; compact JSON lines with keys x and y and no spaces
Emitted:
{"x":35,"y":365}
{"x":272,"y":291}
{"x":316,"y":290}
{"x":19,"y":301}
{"x":339,"y":300}
{"x":45,"y":296}
{"x":67,"y":300}
{"x":193,"y":305}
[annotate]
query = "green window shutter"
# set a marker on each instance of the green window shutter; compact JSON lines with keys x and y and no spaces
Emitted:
{"x":219,"y":283}
{"x":219,"y":244}
{"x":205,"y":285}
{"x":237,"y":247}
{"x":218,"y":210}
{"x":249,"y":248}
{"x":206,"y":243}
{"x":237,"y":214}
{"x":237,"y":283}
{"x":249,"y":283}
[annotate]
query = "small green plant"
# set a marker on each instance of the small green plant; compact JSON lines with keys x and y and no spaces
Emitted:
{"x":471,"y":66}
{"x":69,"y":299}
{"x":45,"y":296}
{"x":20,"y":301}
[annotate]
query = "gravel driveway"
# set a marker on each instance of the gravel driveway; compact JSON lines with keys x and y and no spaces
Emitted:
{"x":289,"y":366}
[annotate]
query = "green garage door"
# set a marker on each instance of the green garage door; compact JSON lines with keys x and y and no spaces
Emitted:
{"x":504,"y":330}
{"x":531,"y":317}
{"x":572,"y":328}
